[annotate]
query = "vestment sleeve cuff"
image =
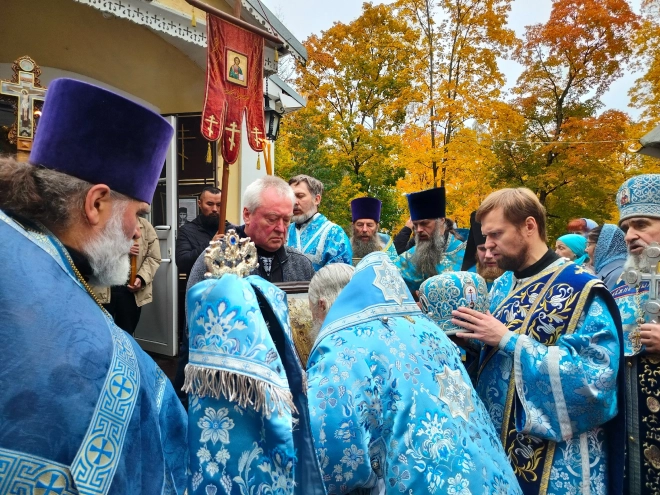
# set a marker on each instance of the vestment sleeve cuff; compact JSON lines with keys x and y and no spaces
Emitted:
{"x":508,"y":342}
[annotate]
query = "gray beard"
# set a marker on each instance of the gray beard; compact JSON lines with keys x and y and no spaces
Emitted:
{"x":639,"y":262}
{"x":362,"y":248}
{"x":298,"y":219}
{"x":429,"y":253}
{"x":108,"y":253}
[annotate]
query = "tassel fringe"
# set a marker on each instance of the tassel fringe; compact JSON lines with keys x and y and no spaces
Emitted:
{"x":244,"y":390}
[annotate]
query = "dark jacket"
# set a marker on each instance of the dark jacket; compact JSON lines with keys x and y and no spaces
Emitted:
{"x":192,"y":239}
{"x":402,"y":240}
{"x":289,"y":265}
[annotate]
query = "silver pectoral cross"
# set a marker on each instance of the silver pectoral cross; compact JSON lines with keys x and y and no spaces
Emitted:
{"x":634,"y":278}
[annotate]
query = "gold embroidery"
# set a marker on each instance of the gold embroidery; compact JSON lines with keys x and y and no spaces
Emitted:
{"x":525,"y":453}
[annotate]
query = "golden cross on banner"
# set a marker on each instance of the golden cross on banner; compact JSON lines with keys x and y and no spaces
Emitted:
{"x":183,"y":139}
{"x":211,"y":121}
{"x":256,"y":133}
{"x":233,"y":129}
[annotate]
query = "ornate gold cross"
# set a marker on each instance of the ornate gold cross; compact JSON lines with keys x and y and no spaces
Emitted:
{"x":233,"y":129}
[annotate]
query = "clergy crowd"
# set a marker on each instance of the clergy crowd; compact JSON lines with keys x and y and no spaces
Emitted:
{"x":437,"y":360}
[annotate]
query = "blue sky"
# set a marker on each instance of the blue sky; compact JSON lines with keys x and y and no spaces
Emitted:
{"x":305,"y":17}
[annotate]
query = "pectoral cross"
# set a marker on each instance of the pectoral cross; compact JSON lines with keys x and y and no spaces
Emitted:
{"x":26,"y":93}
{"x":233,"y":129}
{"x":211,"y":122}
{"x":183,"y":139}
{"x":634,"y":278}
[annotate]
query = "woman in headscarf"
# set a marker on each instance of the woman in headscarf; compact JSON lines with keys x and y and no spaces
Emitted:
{"x":573,"y":247}
{"x":607,"y":249}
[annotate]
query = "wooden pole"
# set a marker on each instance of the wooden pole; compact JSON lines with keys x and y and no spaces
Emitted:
{"x":237,"y":9}
{"x":235,"y":20}
{"x":223,"y":199}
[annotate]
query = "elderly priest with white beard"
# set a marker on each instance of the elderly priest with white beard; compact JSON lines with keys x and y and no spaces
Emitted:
{"x":84,"y":409}
{"x":433,"y":252}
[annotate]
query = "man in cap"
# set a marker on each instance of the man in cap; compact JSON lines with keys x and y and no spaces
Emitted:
{"x":85,"y":410}
{"x":549,"y":373}
{"x":433,"y":252}
{"x":392,"y":407}
{"x":366,"y":222}
{"x":638,"y":200}
{"x":477,"y":258}
{"x":322,"y":241}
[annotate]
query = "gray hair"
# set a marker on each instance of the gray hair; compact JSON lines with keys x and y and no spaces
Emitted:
{"x":328,"y":282}
{"x":36,"y":193}
{"x":254,"y":191}
{"x":315,"y":186}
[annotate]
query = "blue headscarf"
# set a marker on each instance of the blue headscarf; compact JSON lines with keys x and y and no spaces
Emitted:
{"x":611,"y":246}
{"x":577,"y":244}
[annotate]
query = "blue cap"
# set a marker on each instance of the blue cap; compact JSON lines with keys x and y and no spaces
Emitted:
{"x":444,"y":293}
{"x":639,"y":197}
{"x":366,"y":208}
{"x":100,"y":137}
{"x":427,"y":204}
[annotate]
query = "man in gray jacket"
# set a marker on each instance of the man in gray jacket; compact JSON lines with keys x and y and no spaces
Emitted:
{"x":267,"y":211}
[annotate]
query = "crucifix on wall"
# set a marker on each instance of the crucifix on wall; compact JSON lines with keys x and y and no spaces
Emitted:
{"x":26,"y":89}
{"x":183,"y":138}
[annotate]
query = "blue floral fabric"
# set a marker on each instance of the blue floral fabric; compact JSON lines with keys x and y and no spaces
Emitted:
{"x":562,"y":394}
{"x":630,"y":301}
{"x":246,"y":392}
{"x":83,"y":409}
{"x":450,"y":262}
{"x":392,"y":407}
{"x":322,"y":241}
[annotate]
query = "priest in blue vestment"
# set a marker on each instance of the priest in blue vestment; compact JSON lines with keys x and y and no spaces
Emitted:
{"x":392,"y":407}
{"x":310,"y":232}
{"x":434,"y":251}
{"x":638,"y":200}
{"x":249,"y":424}
{"x":549,"y":371}
{"x":83,"y":408}
{"x":366,"y":237}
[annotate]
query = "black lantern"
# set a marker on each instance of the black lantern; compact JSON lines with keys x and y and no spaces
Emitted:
{"x":273,"y":112}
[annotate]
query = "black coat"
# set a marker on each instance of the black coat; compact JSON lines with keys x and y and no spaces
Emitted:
{"x":192,"y":239}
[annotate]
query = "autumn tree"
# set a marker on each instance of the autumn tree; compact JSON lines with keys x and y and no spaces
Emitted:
{"x":459,"y":45}
{"x":560,"y":148}
{"x":645,"y":94}
{"x":358,"y":78}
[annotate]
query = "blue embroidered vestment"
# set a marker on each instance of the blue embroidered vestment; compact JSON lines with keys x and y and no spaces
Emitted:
{"x":248,"y":421}
{"x":322,"y":241}
{"x":391,"y":405}
{"x":552,"y":386}
{"x":83,"y":409}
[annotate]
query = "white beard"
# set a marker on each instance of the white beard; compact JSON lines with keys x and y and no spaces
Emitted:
{"x":639,"y":262}
{"x":108,"y":252}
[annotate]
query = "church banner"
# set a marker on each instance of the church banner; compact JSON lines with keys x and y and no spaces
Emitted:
{"x":234,"y":85}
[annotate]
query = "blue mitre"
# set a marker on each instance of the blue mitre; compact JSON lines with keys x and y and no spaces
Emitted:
{"x":638,"y":197}
{"x":100,"y":137}
{"x":366,"y":208}
{"x":427,"y":204}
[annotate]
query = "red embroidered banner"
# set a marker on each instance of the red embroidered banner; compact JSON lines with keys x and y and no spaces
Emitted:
{"x":234,"y":84}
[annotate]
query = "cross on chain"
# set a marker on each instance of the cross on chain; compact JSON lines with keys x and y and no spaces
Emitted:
{"x":233,"y":129}
{"x":26,"y":93}
{"x":100,"y":451}
{"x":183,"y":139}
{"x":50,"y":487}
